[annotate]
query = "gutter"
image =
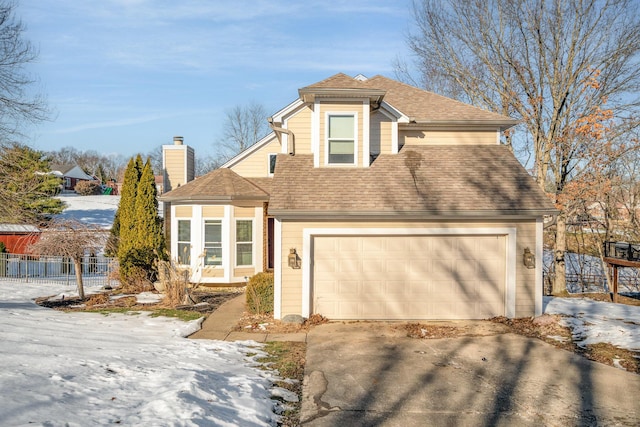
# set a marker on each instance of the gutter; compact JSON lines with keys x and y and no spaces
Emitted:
{"x":279,"y":131}
{"x":425,"y":215}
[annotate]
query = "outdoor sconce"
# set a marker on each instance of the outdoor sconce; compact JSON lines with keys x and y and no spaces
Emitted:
{"x":528,"y":259}
{"x":294,"y":259}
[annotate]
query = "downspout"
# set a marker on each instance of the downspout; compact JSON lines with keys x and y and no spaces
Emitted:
{"x":279,"y":131}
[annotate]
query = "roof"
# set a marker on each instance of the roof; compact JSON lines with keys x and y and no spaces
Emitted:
{"x":18,"y":228}
{"x":426,"y":180}
{"x":219,"y":185}
{"x":69,"y":170}
{"x":419,"y":105}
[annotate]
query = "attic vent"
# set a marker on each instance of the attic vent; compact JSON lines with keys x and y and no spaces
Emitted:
{"x":361,"y":78}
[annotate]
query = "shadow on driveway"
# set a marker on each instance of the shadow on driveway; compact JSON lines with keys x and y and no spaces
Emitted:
{"x":371,"y":374}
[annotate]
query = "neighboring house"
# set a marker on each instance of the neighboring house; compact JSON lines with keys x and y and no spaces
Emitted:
{"x":71,"y":175}
{"x":17,"y":237}
{"x":371,"y":199}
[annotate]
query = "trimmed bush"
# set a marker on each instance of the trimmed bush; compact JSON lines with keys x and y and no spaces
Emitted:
{"x":260,"y":293}
{"x":88,"y":188}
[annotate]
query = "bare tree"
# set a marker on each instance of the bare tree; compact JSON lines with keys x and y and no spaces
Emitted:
{"x":243,"y":127}
{"x":549,"y":63}
{"x":17,"y":103}
{"x":72,"y":239}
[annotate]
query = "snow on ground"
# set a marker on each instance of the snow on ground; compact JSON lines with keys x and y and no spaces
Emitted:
{"x":78,"y":369}
{"x":95,"y":210}
{"x":595,"y":321}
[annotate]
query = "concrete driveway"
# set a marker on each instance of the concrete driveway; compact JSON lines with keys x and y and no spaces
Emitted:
{"x":371,"y":374}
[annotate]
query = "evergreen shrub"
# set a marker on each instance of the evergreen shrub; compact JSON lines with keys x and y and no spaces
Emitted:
{"x":260,"y":293}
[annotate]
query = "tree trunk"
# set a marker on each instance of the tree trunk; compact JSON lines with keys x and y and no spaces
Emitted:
{"x":560,"y":280}
{"x":77,"y":263}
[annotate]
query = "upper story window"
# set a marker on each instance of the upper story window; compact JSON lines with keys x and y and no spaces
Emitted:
{"x":184,"y":241}
{"x":272,"y":163}
{"x":341,"y":139}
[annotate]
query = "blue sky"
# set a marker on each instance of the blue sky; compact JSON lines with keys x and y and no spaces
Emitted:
{"x":125,"y":76}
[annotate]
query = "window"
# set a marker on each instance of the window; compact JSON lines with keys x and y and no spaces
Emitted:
{"x":341,"y":139}
{"x":184,"y":241}
{"x":213,"y":242}
{"x":272,"y":163}
{"x":244,"y":242}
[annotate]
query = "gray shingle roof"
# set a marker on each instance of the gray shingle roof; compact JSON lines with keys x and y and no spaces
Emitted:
{"x":417,"y":104}
{"x":220,"y":184}
{"x":435,"y":180}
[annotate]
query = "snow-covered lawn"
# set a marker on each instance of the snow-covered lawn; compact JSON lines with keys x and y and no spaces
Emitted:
{"x":595,"y":322}
{"x":79,"y":369}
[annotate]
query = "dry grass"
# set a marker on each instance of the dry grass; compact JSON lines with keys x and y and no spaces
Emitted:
{"x":548,"y":329}
{"x":288,"y":358}
{"x":265,"y":323}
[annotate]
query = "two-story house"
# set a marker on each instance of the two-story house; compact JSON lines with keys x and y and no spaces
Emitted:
{"x":371,"y":199}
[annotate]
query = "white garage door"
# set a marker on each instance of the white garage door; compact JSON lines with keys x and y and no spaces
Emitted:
{"x":409,"y":277}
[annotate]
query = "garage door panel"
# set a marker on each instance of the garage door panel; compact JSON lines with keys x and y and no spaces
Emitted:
{"x":408,"y":277}
{"x":346,"y":266}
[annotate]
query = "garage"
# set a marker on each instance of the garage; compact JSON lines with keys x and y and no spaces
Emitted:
{"x":407,"y":277}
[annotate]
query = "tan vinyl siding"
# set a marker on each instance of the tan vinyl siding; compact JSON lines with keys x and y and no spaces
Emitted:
{"x":525,"y":277}
{"x":292,"y":236}
{"x":212,"y":272}
{"x":256,"y":164}
{"x":244,"y":272}
{"x":174,"y":163}
{"x":179,"y":166}
{"x":300,"y":125}
{"x":239,"y":212}
{"x":213,"y":211}
{"x":380,"y":134}
{"x":339,"y":107}
{"x":448,"y":137}
{"x":184,"y":211}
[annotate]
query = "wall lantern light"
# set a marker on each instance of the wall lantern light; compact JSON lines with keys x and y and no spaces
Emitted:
{"x":294,"y":259}
{"x":528,"y":259}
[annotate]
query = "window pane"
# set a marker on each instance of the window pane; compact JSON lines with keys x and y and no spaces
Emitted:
{"x":184,"y":230}
{"x":213,"y":256}
{"x":272,"y":163}
{"x":244,"y":230}
{"x":341,"y":126}
{"x":212,"y":231}
{"x":184,"y":253}
{"x":341,"y":147}
{"x":244,"y":254}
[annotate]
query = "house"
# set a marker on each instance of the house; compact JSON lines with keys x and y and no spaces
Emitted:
{"x":17,"y":237}
{"x":371,"y":199}
{"x":70,"y":175}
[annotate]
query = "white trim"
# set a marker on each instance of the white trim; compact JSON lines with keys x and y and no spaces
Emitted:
{"x":399,"y":116}
{"x":227,"y":262}
{"x":498,"y":136}
{"x":269,"y":173}
{"x":197,"y":234}
{"x":510,"y":232}
{"x":539,"y":253}
{"x":279,"y":116}
{"x":277,"y":269}
{"x":328,"y":114}
{"x":250,"y":150}
{"x":315,"y":133}
{"x":365,"y":133}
